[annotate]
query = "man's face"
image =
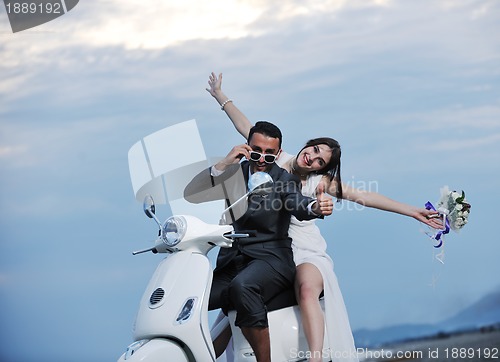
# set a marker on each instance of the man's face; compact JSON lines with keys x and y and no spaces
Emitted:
{"x":264,"y":145}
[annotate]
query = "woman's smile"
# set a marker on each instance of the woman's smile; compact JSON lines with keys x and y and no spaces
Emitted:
{"x":307,"y":159}
{"x":314,"y":157}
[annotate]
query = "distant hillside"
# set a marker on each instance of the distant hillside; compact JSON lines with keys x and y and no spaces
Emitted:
{"x":376,"y":337}
{"x":482,"y":313}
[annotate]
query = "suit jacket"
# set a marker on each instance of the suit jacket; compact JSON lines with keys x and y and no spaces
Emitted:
{"x":267,"y":216}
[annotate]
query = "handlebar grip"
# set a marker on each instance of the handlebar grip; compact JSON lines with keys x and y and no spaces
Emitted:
{"x":251,"y":233}
{"x":241,"y":234}
{"x":153,"y":249}
{"x":236,"y":236}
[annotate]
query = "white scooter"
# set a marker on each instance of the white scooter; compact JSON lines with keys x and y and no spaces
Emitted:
{"x":172,"y":320}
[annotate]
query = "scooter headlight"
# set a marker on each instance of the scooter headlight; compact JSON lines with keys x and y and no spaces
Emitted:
{"x":174,"y":230}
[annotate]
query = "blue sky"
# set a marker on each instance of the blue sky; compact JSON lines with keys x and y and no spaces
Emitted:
{"x":409,"y":89}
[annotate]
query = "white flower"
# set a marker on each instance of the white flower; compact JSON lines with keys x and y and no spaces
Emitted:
{"x":454,"y":206}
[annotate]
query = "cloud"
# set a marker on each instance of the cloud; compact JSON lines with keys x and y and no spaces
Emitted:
{"x":359,"y":63}
{"x":386,"y":78}
{"x":319,"y":35}
{"x":462,"y":145}
{"x":9,"y":151}
{"x":464,"y":119}
{"x":162,"y":24}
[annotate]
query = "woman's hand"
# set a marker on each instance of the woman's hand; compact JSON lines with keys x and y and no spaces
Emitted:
{"x":429,"y":217}
{"x":239,"y":120}
{"x":215,"y":84}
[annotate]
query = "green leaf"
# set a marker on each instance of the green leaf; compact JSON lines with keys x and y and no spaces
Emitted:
{"x":461,"y":198}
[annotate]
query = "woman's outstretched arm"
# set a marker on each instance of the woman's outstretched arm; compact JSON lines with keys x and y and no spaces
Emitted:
{"x":240,"y":121}
{"x":381,"y":202}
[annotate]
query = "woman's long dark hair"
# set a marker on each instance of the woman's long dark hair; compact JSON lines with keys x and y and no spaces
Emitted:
{"x":332,"y":168}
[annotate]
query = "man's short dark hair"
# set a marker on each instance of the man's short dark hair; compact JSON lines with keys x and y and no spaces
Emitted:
{"x":267,"y":129}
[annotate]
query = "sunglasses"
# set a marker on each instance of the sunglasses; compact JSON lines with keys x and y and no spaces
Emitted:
{"x":255,"y":156}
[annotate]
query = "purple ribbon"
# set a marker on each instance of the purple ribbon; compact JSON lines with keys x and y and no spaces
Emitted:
{"x":439,"y":236}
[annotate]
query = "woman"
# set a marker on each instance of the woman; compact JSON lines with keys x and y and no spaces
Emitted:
{"x":319,"y":163}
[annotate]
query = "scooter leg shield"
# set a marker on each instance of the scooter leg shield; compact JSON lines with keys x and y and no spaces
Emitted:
{"x":155,"y":350}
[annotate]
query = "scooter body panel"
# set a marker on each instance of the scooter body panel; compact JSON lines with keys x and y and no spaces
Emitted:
{"x":175,"y":304}
{"x":288,"y":341}
{"x":155,"y":350}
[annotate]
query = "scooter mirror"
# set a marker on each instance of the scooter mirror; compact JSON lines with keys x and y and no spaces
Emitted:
{"x":149,"y":206}
{"x":260,"y":183}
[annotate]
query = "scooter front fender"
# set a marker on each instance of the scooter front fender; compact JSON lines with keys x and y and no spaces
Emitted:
{"x":154,"y":350}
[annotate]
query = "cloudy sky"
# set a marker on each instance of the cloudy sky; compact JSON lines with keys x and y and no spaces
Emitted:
{"x":410,"y":90}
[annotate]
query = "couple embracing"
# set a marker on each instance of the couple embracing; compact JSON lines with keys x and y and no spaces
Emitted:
{"x":287,"y":249}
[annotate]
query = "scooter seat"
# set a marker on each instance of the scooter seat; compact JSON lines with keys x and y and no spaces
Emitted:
{"x":284,"y":299}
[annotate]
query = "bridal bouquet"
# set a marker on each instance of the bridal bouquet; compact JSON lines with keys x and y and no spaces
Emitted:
{"x":455,"y":206}
{"x":454,"y":209}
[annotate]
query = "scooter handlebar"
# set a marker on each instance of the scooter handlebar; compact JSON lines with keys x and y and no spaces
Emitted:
{"x":236,"y":236}
{"x":153,"y":249}
{"x":241,"y":234}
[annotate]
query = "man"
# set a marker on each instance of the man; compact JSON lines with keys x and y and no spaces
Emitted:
{"x":259,"y":267}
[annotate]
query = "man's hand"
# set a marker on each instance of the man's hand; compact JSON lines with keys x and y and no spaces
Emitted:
{"x":324,"y":204}
{"x":234,"y":156}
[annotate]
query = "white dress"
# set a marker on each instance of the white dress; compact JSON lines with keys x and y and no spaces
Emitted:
{"x":309,"y":246}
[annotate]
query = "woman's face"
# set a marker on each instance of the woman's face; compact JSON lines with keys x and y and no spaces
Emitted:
{"x":314,"y":158}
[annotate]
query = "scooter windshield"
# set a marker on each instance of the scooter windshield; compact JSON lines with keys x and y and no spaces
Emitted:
{"x":171,"y":165}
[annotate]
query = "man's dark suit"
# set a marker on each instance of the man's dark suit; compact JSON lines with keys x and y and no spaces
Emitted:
{"x":258,"y":267}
